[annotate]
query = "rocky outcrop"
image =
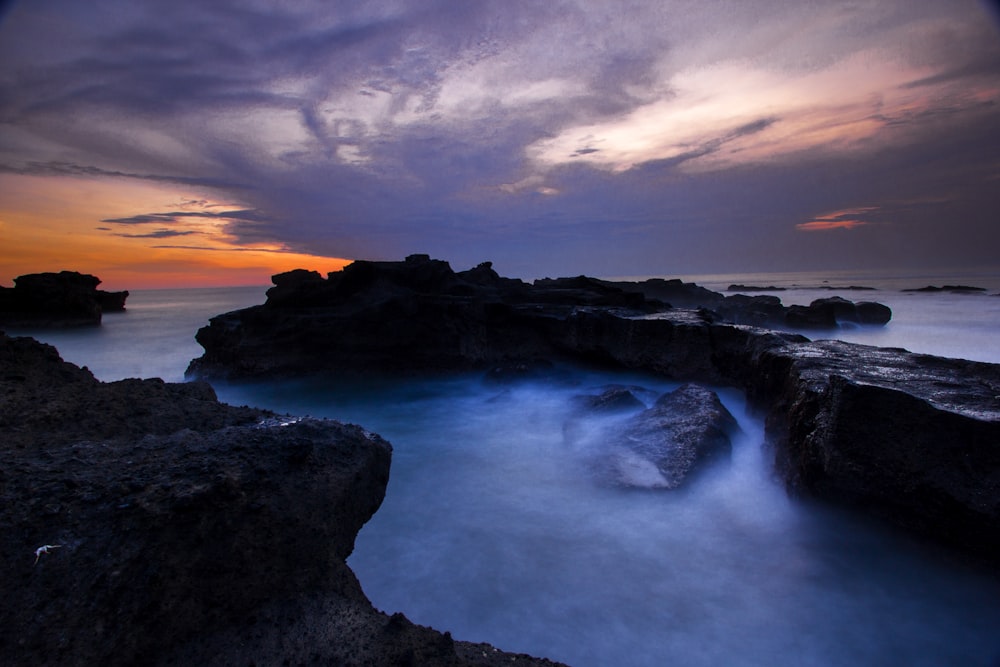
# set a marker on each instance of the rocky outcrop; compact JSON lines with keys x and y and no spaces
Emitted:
{"x":420,"y":315}
{"x":833,"y":311}
{"x":146,"y":523}
{"x":655,"y":448}
{"x":910,"y":437}
{"x":762,"y":310}
{"x":61,"y":299}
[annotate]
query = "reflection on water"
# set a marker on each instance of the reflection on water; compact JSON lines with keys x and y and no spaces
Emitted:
{"x":493,"y":529}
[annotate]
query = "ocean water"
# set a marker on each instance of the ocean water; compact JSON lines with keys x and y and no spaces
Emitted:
{"x":495,"y":529}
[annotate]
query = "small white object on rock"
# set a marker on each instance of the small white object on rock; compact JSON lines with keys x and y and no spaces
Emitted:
{"x":44,"y":549}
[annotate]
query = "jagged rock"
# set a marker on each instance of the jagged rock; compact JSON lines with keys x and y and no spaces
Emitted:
{"x":390,"y":316}
{"x":63,"y":299}
{"x":146,"y":523}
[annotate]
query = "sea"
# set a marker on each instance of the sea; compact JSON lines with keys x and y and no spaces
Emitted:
{"x":495,"y":529}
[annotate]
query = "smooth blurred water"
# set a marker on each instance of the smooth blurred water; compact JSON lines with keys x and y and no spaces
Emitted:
{"x":494,"y":527}
{"x":154,"y":337}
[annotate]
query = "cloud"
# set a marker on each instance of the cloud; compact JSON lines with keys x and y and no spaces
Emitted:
{"x":177,"y":216}
{"x":846,"y":219}
{"x":56,"y":168}
{"x":158,"y":234}
{"x":481,"y":130}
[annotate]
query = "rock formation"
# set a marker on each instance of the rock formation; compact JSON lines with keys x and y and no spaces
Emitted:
{"x":958,"y":289}
{"x":61,"y":299}
{"x":910,"y":437}
{"x":761,"y":310}
{"x":655,"y":448}
{"x":146,"y":523}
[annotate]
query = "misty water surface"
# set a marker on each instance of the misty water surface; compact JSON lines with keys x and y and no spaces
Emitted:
{"x":494,"y":527}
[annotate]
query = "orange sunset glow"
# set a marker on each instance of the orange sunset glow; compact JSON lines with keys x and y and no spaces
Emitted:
{"x":668,"y":138}
{"x":54,"y":224}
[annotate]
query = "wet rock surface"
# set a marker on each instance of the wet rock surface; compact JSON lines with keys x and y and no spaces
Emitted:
{"x":146,"y":523}
{"x":420,"y":315}
{"x":658,"y":447}
{"x":63,"y":299}
{"x":909,"y":437}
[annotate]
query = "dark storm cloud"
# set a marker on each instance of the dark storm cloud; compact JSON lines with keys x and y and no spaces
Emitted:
{"x":563,"y":135}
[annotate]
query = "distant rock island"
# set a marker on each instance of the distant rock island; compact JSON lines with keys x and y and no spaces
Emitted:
{"x":947,"y":288}
{"x":63,"y":299}
{"x":912,"y":438}
{"x":772,"y":288}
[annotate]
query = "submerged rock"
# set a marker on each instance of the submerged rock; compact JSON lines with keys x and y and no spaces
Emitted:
{"x":659,"y":447}
{"x":146,"y":523}
{"x":61,"y":299}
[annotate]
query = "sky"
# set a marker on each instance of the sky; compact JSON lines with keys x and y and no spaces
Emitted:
{"x":183,"y":143}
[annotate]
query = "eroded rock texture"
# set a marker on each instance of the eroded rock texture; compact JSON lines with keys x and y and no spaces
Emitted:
{"x":145,"y":523}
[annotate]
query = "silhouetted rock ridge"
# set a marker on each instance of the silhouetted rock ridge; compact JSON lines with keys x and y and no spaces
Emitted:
{"x":61,"y":299}
{"x":911,"y":437}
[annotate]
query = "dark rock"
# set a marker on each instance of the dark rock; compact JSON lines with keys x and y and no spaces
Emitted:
{"x":871,"y":312}
{"x":392,"y":316}
{"x":662,"y":446}
{"x":111,"y":302}
{"x":760,"y":310}
{"x":808,"y":317}
{"x":146,"y":523}
{"x":908,"y":437}
{"x":834,"y":311}
{"x":392,"y":319}
{"x":676,"y":292}
{"x":61,"y":299}
{"x":754,"y":288}
{"x":611,"y":400}
{"x":947,"y":288}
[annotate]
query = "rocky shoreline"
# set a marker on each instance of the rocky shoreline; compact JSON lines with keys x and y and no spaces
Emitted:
{"x":911,"y":438}
{"x":149,"y":524}
{"x":146,"y":523}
